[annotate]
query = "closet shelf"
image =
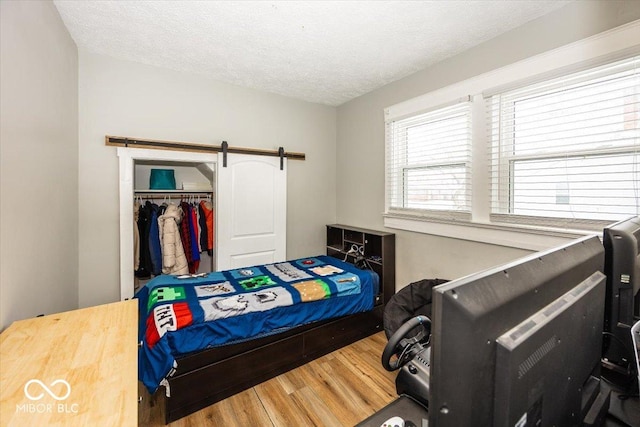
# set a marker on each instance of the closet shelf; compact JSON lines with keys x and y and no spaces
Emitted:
{"x":207,"y":192}
{"x":178,"y":194}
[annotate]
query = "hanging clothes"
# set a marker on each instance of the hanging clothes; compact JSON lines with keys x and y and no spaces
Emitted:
{"x":202,"y":221}
{"x":184,"y":232}
{"x":195,"y":206}
{"x":136,"y":237}
{"x":186,"y":237}
{"x":193,"y":228}
{"x":174,"y":260}
{"x":144,"y":269}
{"x":154,"y":240}
{"x":207,"y":208}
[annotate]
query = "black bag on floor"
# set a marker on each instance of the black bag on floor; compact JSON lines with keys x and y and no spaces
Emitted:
{"x":410,"y":301}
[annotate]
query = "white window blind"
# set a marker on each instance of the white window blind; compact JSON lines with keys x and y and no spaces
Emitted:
{"x":428,"y":163}
{"x":566,"y":152}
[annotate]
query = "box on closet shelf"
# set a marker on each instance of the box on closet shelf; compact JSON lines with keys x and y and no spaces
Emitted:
{"x":162,"y":179}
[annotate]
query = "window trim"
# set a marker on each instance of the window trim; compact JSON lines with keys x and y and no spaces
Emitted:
{"x":482,"y":226}
{"x":506,"y":156}
{"x":501,"y":234}
{"x":462,"y":107}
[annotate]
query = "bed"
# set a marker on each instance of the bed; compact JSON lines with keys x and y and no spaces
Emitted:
{"x":207,"y":337}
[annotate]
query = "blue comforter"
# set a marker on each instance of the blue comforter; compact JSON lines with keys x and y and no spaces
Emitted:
{"x":183,"y":315}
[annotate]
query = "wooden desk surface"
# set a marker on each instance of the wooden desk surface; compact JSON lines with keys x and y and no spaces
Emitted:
{"x":93,"y":350}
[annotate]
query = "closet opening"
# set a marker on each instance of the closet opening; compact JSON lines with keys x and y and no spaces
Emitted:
{"x":248,"y":200}
{"x":195,"y":177}
{"x":174,"y":212}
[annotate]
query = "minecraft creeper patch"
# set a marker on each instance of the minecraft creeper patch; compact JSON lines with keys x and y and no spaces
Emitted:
{"x":256,"y":282}
{"x":165,"y":294}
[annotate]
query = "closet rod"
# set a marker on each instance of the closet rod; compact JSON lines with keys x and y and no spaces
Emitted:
{"x":175,"y":195}
{"x":123,"y":141}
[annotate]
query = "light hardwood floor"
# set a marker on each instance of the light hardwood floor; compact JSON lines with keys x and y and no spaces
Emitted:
{"x":339,"y":389}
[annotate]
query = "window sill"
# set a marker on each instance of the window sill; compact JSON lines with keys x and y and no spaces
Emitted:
{"x":514,"y":236}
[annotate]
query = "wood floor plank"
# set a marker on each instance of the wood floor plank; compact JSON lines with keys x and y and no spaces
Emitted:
{"x":370,"y":397}
{"x":293,"y":379}
{"x":316,"y":409}
{"x":281,"y":405}
{"x":338,"y":398}
{"x":288,"y":386}
{"x":248,"y":410}
{"x":339,"y":389}
{"x":374,"y":376}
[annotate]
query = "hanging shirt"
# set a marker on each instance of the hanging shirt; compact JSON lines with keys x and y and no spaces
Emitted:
{"x":193,"y":228}
{"x":144,"y":270}
{"x":207,"y":207}
{"x":136,"y":237}
{"x":154,"y":241}
{"x":187,"y":235}
{"x":202,"y":221}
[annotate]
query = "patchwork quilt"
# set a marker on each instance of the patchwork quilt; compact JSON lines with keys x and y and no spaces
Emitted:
{"x":183,"y":314}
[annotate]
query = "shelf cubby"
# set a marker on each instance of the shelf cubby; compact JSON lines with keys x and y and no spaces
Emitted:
{"x":379,"y":253}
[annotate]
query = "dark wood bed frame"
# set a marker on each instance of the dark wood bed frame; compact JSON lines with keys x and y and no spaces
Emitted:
{"x":208,"y":376}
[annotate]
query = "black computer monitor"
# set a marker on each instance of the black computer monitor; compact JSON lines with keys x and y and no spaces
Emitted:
{"x":622,"y":306}
{"x":489,"y":324}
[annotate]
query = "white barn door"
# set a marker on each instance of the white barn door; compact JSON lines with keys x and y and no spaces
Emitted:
{"x":251,"y":217}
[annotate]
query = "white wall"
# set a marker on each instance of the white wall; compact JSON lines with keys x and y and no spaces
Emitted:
{"x":128,"y":99}
{"x":38,"y":162}
{"x":360,"y":128}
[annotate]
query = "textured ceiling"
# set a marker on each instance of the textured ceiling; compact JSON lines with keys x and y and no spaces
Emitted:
{"x":320,"y":51}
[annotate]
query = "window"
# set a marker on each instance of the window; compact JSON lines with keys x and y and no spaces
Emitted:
{"x":548,"y":148}
{"x":428,"y":163}
{"x":567,"y":150}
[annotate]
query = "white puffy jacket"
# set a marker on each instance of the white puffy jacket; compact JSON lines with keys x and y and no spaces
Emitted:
{"x":174,"y":261}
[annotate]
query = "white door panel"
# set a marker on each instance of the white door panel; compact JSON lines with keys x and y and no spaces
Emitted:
{"x":253,"y":202}
{"x":252,"y":206}
{"x":245,"y":260}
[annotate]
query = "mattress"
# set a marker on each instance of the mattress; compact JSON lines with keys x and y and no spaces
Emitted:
{"x":184,"y":314}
